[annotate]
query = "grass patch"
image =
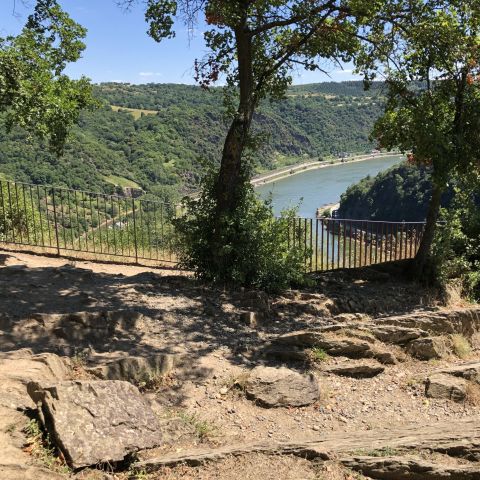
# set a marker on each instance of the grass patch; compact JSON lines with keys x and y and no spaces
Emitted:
{"x":38,"y":445}
{"x":461,"y":346}
{"x":473,"y":394}
{"x":377,"y":452}
{"x":121,"y":181}
{"x":136,"y":112}
{"x":318,"y":355}
{"x":203,"y":429}
{"x":152,"y":380}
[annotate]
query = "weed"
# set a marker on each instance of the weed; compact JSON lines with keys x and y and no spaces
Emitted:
{"x":473,"y":394}
{"x":461,"y":346}
{"x":380,"y":452}
{"x":134,"y":474}
{"x":11,"y":428}
{"x":203,"y":428}
{"x":318,"y":355}
{"x":39,"y":446}
{"x":237,"y":381}
{"x":152,"y":380}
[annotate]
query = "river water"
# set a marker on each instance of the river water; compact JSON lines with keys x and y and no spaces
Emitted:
{"x":315,"y":188}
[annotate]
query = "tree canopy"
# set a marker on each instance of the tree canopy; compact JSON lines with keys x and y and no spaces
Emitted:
{"x":428,"y":51}
{"x":34,"y":91}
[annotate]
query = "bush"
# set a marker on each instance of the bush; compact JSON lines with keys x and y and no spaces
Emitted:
{"x":253,"y":246}
{"x":456,"y":249}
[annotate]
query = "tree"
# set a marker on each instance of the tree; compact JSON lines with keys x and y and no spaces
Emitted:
{"x":430,"y":58}
{"x":255,"y":45}
{"x":34,"y":91}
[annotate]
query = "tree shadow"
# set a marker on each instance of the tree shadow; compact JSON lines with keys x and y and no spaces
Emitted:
{"x":70,"y":311}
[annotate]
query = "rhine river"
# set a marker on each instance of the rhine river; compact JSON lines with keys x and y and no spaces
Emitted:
{"x":315,"y":188}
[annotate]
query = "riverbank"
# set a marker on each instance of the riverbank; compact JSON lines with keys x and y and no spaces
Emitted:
{"x":286,"y":172}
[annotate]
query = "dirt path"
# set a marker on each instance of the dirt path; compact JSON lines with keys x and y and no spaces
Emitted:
{"x":216,"y":345}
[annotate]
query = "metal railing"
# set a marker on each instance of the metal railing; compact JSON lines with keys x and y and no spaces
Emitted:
{"x":88,"y":225}
{"x":334,"y":243}
{"x":73,"y":222}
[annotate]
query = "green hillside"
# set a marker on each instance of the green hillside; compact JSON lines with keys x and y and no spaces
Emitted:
{"x":156,"y":135}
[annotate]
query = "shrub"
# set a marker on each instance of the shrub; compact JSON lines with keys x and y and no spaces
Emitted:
{"x":456,"y":249}
{"x":252,"y":247}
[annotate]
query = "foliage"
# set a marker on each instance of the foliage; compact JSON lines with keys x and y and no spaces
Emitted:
{"x":34,"y":92}
{"x":401,"y":193}
{"x":160,"y":152}
{"x":40,"y":447}
{"x":256,"y":247}
{"x":19,"y":220}
{"x":433,"y":102}
{"x":456,"y":250}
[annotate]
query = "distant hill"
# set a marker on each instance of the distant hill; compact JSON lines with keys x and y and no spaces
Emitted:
{"x":154,"y":136}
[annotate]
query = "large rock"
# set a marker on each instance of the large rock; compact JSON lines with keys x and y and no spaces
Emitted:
{"x":281,"y":387}
{"x":469,"y":371}
{"x":396,"y":334}
{"x":94,"y":422}
{"x":465,"y":321}
{"x":428,"y":348}
{"x":334,"y":343}
{"x":446,"y":386}
{"x":132,"y":369}
{"x":410,"y":468}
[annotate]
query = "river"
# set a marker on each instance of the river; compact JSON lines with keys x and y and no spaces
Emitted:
{"x":315,"y":188}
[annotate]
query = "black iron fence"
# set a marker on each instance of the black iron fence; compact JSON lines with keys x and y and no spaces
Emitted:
{"x":72,"y":222}
{"x":334,"y":243}
{"x":110,"y":227}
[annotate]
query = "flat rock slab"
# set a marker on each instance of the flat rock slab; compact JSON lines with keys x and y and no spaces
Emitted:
{"x":428,"y":348}
{"x":355,"y":370}
{"x":131,"y":368}
{"x":331,"y":343}
{"x":281,"y":387}
{"x":409,"y":468}
{"x":446,"y":386}
{"x":469,"y":371}
{"x":94,"y":422}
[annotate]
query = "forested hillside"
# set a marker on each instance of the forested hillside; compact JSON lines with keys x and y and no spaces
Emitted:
{"x":401,"y":193}
{"x":155,"y":136}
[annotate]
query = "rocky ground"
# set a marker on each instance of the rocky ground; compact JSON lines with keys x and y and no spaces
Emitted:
{"x":363,"y":376}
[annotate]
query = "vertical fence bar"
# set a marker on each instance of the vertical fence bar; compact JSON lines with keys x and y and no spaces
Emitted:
{"x":135,"y":246}
{"x":55,"y":222}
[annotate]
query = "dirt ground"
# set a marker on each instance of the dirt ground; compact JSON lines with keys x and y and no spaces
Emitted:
{"x":205,"y":327}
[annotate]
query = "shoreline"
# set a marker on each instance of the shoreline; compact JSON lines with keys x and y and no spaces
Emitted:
{"x":286,"y":172}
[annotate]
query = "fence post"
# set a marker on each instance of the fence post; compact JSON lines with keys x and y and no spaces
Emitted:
{"x":134,"y":231}
{"x":55,"y":223}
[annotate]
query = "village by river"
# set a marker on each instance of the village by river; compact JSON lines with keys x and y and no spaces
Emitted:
{"x":312,"y":189}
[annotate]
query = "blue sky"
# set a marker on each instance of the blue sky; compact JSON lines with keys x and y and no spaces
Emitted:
{"x":118,"y":48}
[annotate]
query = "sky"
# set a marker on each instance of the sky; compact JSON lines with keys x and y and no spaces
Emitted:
{"x":119,"y":49}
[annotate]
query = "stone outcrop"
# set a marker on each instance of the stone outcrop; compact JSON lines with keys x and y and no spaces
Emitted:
{"x":465,"y":321}
{"x":281,"y":387}
{"x":409,"y":468}
{"x":446,"y":386}
{"x":131,"y":368}
{"x":67,"y":332}
{"x":468,"y":371}
{"x":355,"y":370}
{"x":95,"y":422}
{"x":333,"y":343}
{"x":428,"y":348}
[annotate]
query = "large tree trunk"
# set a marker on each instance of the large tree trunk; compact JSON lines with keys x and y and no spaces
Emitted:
{"x":230,"y":183}
{"x":421,"y":258}
{"x":231,"y":175}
